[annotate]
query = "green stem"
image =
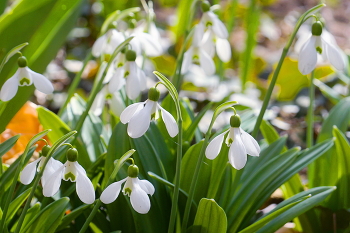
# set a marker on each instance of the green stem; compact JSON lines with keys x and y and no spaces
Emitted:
{"x":310,"y":112}
{"x":177,"y":179}
{"x":73,"y":86}
{"x":278,"y":68}
{"x":91,"y":216}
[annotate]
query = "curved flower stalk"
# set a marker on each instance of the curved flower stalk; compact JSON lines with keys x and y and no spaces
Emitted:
{"x":135,"y":188}
{"x":323,"y":43}
{"x":139,"y":116}
{"x":74,"y":172}
{"x":107,"y":43}
{"x":114,"y":100}
{"x":240,"y":142}
{"x":129,"y":74}
{"x":28,"y":173}
{"x":24,"y":77}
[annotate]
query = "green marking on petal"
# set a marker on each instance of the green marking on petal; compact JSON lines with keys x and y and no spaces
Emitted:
{"x":120,"y":64}
{"x":108,"y":96}
{"x":126,"y":74}
{"x":319,"y":49}
{"x":209,"y":24}
{"x":70,"y":176}
{"x":24,"y":81}
{"x":127,"y":191}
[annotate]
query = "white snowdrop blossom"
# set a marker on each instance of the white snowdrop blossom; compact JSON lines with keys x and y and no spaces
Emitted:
{"x":114,"y":100}
{"x":211,"y":22}
{"x":24,"y":77}
{"x":107,"y":43}
{"x":28,"y":173}
{"x":323,"y":43}
{"x":74,"y":172}
{"x":129,"y":75}
{"x":135,"y":188}
{"x":240,"y":142}
{"x":139,"y":115}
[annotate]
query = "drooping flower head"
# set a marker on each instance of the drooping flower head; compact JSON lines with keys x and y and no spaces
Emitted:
{"x":323,"y":43}
{"x":114,"y":100}
{"x":107,"y":43}
{"x":139,"y":116}
{"x":28,"y":173}
{"x":135,"y":188}
{"x":74,"y":172}
{"x":240,"y":142}
{"x":24,"y":77}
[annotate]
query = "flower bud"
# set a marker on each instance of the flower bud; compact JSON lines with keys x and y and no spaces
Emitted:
{"x":72,"y":155}
{"x":153,"y":94}
{"x":133,"y":171}
{"x":235,"y":121}
{"x":317,"y":28}
{"x":22,"y":61}
{"x":45,"y":150}
{"x":205,"y":6}
{"x":130,"y":55}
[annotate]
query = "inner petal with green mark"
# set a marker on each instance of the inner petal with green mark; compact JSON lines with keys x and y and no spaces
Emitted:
{"x":70,"y":176}
{"x":126,"y":74}
{"x":127,"y":191}
{"x":319,"y":49}
{"x":25,"y":81}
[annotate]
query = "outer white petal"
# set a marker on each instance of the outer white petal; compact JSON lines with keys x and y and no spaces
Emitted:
{"x":223,"y":49}
{"x":84,"y":187}
{"x":208,"y":43}
{"x":198,"y":34}
{"x":308,"y":56}
{"x":117,"y":81}
{"x":218,"y":27}
{"x":115,"y":40}
{"x":9,"y":89}
{"x":110,"y":73}
{"x":214,"y":147}
{"x":169,"y":122}
{"x":206,"y":63}
{"x":142,"y":78}
{"x":98,"y":46}
{"x":251,"y":145}
{"x":237,"y":154}
{"x":132,"y":86}
{"x":51,"y":166}
{"x":53,"y":183}
{"x":111,"y":193}
{"x":28,"y":173}
{"x":147,"y":186}
{"x":187,"y":60}
{"x":117,"y":105}
{"x":140,"y":200}
{"x":334,"y":56}
{"x":150,"y":44}
{"x":41,"y":83}
{"x":129,"y":112}
{"x":99,"y":101}
{"x":139,"y":123}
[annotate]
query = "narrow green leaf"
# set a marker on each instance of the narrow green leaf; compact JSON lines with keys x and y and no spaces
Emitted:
{"x":11,"y":53}
{"x":210,"y":218}
{"x":16,"y":204}
{"x":8,"y":144}
{"x":69,"y":218}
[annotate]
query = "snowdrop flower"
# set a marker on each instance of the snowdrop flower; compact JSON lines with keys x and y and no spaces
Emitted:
{"x":114,"y":99}
{"x":107,"y":43}
{"x":24,"y":77}
{"x":319,"y":42}
{"x":139,"y":116}
{"x":240,"y":143}
{"x":136,"y":189}
{"x":211,"y":22}
{"x":74,"y":172}
{"x":129,"y":74}
{"x":28,"y":173}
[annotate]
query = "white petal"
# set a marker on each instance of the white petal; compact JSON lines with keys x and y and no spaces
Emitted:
{"x":223,"y":49}
{"x":117,"y":105}
{"x":142,"y":79}
{"x":151,"y":46}
{"x":53,"y":183}
{"x":117,"y":81}
{"x":98,"y":46}
{"x":139,"y":200}
{"x":237,"y":154}
{"x":9,"y":89}
{"x":198,"y":34}
{"x":308,"y":56}
{"x":169,"y":122}
{"x":41,"y":83}
{"x":110,"y":72}
{"x":187,"y":61}
{"x":111,"y":193}
{"x":218,"y":27}
{"x":206,"y":63}
{"x":251,"y":145}
{"x":115,"y":39}
{"x":208,"y":43}
{"x":214,"y":147}
{"x":84,"y":187}
{"x":140,"y":122}
{"x":132,"y":86}
{"x":129,"y":112}
{"x":51,"y":166}
{"x":28,"y":173}
{"x":147,"y":186}
{"x":99,"y":102}
{"x":334,"y":56}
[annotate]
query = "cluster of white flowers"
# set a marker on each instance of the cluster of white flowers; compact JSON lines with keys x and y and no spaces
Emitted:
{"x":210,"y":35}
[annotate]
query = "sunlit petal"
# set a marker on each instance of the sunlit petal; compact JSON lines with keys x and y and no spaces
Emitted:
{"x":117,"y":81}
{"x":41,"y":83}
{"x":187,"y":61}
{"x":9,"y":89}
{"x":206,"y":63}
{"x":51,"y":166}
{"x":218,"y":27}
{"x":140,"y":200}
{"x":129,"y":112}
{"x":169,"y":122}
{"x":98,"y":46}
{"x":117,"y":105}
{"x":198,"y":34}
{"x":53,"y":183}
{"x":308,"y":56}
{"x":140,"y":122}
{"x":334,"y":56}
{"x":223,"y":49}
{"x":132,"y":85}
{"x":214,"y":147}
{"x":147,"y":186}
{"x":28,"y":173}
{"x":251,"y":145}
{"x":237,"y":154}
{"x":99,"y":102}
{"x":111,"y":193}
{"x":84,"y":187}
